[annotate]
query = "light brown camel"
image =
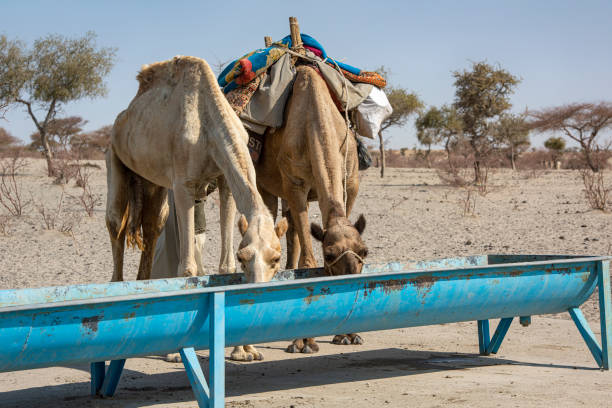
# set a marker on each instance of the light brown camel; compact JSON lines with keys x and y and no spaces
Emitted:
{"x":179,"y":132}
{"x":305,"y":160}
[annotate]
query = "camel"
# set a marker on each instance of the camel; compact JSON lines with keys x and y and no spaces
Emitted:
{"x":180,"y":133}
{"x":305,"y":161}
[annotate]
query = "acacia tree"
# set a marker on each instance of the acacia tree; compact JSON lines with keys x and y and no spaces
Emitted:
{"x":439,"y":126}
{"x":92,"y":144}
{"x":555,"y":146}
{"x":60,"y":133}
{"x":7,"y":140}
{"x":481,"y":96}
{"x":55,"y":71}
{"x":581,"y":122}
{"x":404,"y":105}
{"x":512,"y":132}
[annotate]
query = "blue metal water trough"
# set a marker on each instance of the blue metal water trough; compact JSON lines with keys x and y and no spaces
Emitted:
{"x":115,"y":321}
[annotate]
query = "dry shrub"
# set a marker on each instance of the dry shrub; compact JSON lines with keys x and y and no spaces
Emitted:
{"x":595,"y":189}
{"x":11,"y":194}
{"x":88,"y":199}
{"x":56,"y":218}
{"x":5,"y":223}
{"x":65,"y":168}
{"x":468,"y":202}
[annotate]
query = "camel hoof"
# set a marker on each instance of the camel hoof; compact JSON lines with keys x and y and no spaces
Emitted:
{"x":311,"y":347}
{"x":292,"y":348}
{"x":341,"y":339}
{"x":357,"y":339}
{"x":224,"y":270}
{"x":258,"y":356}
{"x":173,"y":358}
{"x":241,"y":357}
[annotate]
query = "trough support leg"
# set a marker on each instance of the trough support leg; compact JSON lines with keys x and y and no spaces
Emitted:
{"x":111,"y":379}
{"x":104,"y":381}
{"x":483,"y":336}
{"x":98,"y":370}
{"x":605,"y":313}
{"x":498,"y":336}
{"x":603,"y":354}
{"x":217,"y":350}
{"x":587,"y":334}
{"x":213,"y":397}
{"x":195,"y":375}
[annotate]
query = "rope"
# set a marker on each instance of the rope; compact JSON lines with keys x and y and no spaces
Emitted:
{"x":348,"y":251}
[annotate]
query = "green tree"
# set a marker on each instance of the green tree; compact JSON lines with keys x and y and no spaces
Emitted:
{"x":556,"y":147}
{"x":439,"y":126}
{"x":404,"y":104}
{"x":512,"y":133}
{"x":55,"y":71}
{"x":481,"y":96}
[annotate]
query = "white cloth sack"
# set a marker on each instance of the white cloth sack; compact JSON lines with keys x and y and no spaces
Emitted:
{"x":370,"y":114}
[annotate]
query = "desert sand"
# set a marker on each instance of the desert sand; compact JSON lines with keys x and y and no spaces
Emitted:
{"x":410,"y":214}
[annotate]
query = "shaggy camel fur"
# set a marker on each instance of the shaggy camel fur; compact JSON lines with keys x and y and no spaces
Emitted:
{"x":179,"y":132}
{"x":305,"y":161}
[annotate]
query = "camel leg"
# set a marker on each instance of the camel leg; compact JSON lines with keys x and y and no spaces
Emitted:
{"x":293,"y":247}
{"x":154,"y":215}
{"x":184,"y":201}
{"x":117,"y":181}
{"x":271,"y":201}
{"x":298,"y":205}
{"x":200,"y":234}
{"x":351,"y":195}
{"x":227,"y":214}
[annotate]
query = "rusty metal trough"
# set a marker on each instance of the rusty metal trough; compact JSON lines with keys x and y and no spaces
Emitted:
{"x":114,"y":321}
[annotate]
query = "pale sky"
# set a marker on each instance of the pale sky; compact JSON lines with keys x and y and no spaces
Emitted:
{"x":561,"y":49}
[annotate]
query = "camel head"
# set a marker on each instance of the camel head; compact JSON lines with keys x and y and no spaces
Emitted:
{"x":259,"y":253}
{"x":343,"y":249}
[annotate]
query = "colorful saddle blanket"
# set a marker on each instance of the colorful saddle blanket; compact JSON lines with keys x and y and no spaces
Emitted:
{"x":245,"y":69}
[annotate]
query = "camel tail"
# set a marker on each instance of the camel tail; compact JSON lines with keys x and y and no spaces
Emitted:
{"x":133,"y":234}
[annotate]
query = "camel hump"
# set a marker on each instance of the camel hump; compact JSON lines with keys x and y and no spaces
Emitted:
{"x":167,"y":71}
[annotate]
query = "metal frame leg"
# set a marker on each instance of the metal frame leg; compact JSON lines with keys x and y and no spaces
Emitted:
{"x":587,"y":334}
{"x":603,"y":354}
{"x":216,"y":360}
{"x":195,"y":375}
{"x":98,"y":369}
{"x":605,"y":313}
{"x":104,"y":381}
{"x":213,"y":397}
{"x":483,"y":336}
{"x":486,"y":345}
{"x":500,"y":333}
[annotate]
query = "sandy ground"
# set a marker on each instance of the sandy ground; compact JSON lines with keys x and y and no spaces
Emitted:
{"x":411,"y":214}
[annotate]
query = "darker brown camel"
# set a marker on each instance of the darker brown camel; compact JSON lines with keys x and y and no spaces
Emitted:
{"x":313,"y":157}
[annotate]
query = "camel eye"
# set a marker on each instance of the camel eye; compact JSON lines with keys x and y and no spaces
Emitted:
{"x":363,"y":253}
{"x":329,"y":258}
{"x":276,"y":260}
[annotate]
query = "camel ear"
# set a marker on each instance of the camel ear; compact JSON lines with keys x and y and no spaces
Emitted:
{"x":281,"y":227}
{"x":242,"y":225}
{"x":360,"y":224}
{"x":317,"y":232}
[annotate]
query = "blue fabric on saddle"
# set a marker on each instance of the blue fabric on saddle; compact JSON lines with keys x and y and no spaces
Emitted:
{"x":245,"y":69}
